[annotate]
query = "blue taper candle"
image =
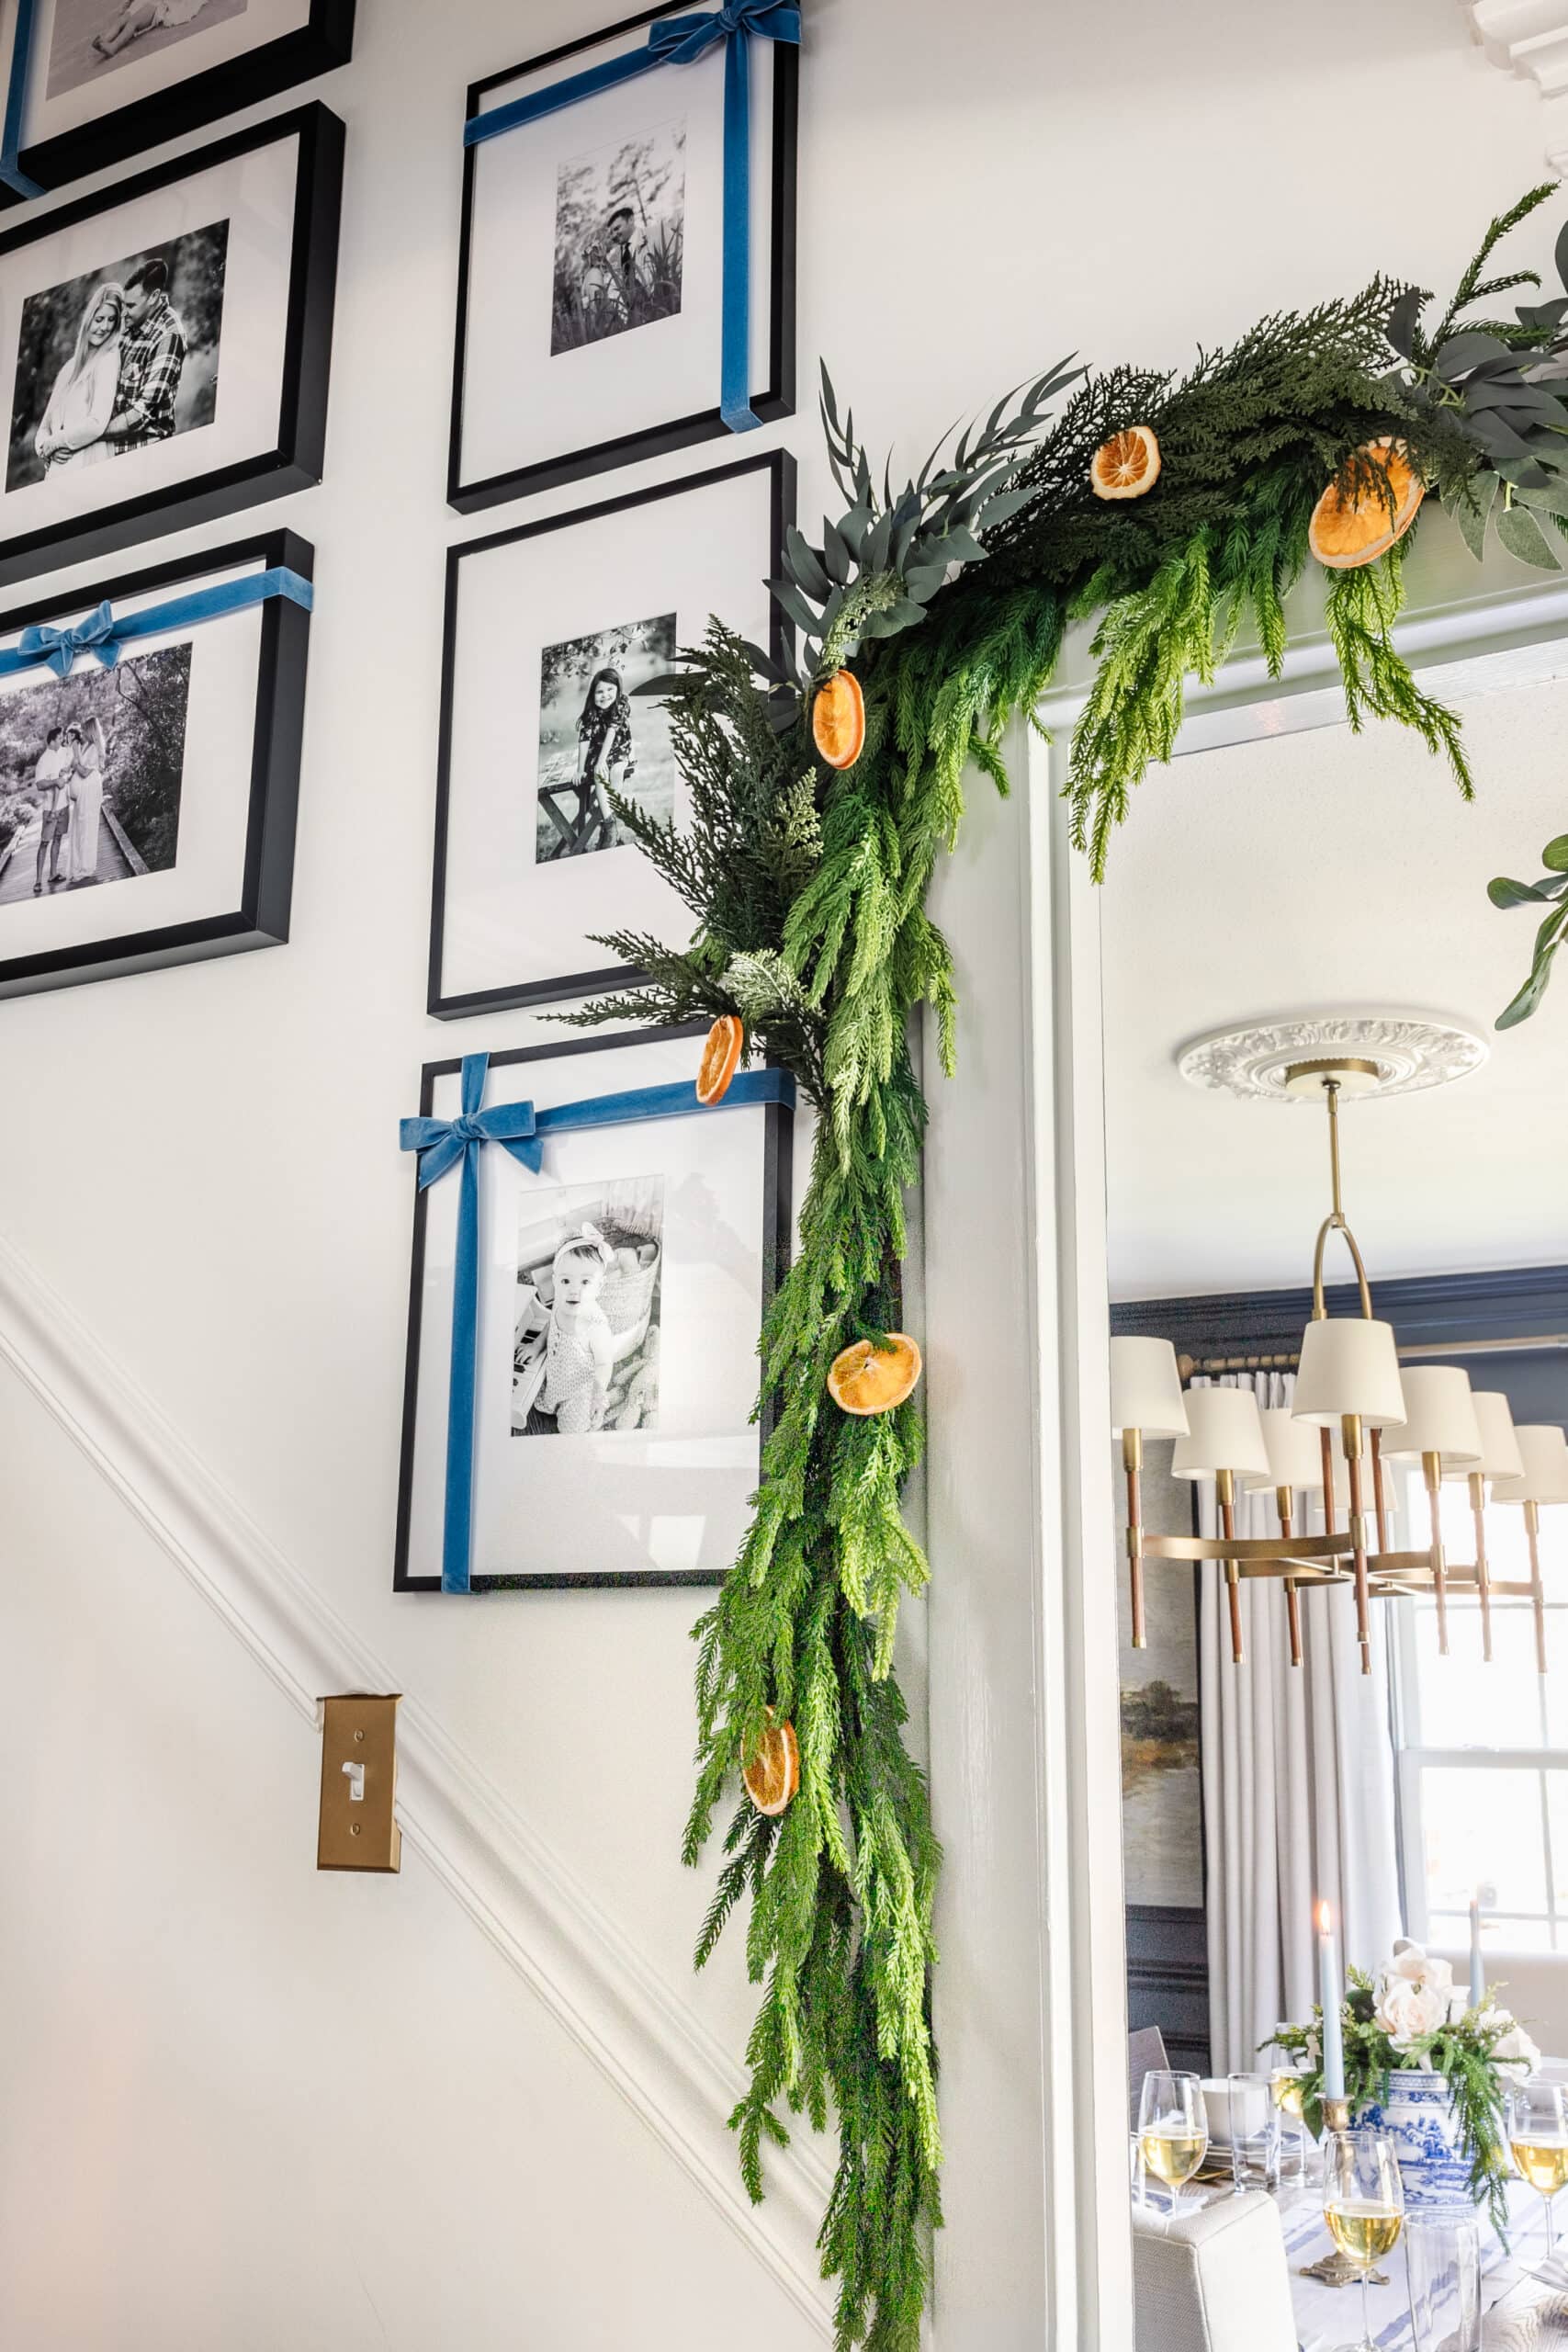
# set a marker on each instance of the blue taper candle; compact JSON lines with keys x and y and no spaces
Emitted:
{"x":1329,"y":1996}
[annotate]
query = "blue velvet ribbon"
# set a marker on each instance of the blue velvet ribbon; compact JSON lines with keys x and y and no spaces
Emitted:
{"x":679,"y":40}
{"x":11,"y":172}
{"x":445,"y":1143}
{"x":104,"y":631}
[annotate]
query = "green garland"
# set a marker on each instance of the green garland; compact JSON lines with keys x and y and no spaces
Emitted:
{"x":808,"y":886}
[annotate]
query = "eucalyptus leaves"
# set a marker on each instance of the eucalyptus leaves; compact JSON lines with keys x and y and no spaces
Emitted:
{"x":879,"y":566}
{"x":1552,"y":891}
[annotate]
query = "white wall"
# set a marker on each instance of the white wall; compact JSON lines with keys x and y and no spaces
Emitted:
{"x":241,"y":2105}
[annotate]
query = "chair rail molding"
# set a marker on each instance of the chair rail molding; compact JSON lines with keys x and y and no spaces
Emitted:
{"x":623,"y":2015}
{"x":1525,"y":37}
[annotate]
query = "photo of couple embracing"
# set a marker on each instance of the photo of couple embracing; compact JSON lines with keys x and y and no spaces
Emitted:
{"x":110,"y":364}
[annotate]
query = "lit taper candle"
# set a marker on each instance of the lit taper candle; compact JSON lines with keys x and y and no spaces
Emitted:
{"x":1329,"y":1997}
{"x":1477,"y":1973}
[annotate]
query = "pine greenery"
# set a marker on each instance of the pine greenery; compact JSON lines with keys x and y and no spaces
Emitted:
{"x":808,"y":888}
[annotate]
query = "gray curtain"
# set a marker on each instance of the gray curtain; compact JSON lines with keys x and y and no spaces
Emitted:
{"x":1298,"y":1768}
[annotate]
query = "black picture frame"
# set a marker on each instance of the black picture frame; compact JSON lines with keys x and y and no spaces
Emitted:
{"x":297,"y":459}
{"x":777,"y":1229}
{"x":260,"y":918}
{"x":780,"y":466}
{"x":319,"y":46}
{"x":770,"y":402}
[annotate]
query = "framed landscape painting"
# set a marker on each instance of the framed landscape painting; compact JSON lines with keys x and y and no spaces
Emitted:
{"x":551,"y":630}
{"x":621,"y":1290}
{"x":589,"y":298}
{"x":107,"y":79}
{"x":164,"y":346}
{"x":147,"y":807}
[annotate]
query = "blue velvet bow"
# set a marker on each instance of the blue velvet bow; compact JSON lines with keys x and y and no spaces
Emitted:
{"x":106,"y":633}
{"x":680,"y":40}
{"x":59,"y":647}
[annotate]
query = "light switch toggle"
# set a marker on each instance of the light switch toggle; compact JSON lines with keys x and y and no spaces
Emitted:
{"x":359,"y":1778}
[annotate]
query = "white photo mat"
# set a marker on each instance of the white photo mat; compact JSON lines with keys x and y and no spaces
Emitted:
{"x":84,"y":87}
{"x":523,"y":405}
{"x":216,"y":777}
{"x":614,"y":1505}
{"x":507,"y":921}
{"x":255,"y":194}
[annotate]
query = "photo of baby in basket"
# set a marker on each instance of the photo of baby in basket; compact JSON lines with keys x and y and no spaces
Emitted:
{"x":585,"y":1346}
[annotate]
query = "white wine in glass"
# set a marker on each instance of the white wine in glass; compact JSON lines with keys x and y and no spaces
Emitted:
{"x":1290,"y":2091}
{"x":1538,"y":2134}
{"x":1173,"y":2129}
{"x":1363,"y":2204}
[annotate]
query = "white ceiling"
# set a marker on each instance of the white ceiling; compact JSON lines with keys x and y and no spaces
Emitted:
{"x":1326,"y":872}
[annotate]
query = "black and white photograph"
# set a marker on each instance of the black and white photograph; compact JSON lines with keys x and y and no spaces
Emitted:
{"x":585,"y":1354}
{"x":91,"y":771}
{"x":168,"y":362}
{"x":599,"y":735}
{"x":620,"y":1291}
{"x":109,"y":363}
{"x":591,"y":299}
{"x":90,"y":37}
{"x":620,"y":231}
{"x":554,"y":631}
{"x":108,"y":80}
{"x":147,"y":803}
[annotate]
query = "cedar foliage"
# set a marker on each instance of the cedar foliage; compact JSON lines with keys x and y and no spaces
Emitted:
{"x":808,"y":889}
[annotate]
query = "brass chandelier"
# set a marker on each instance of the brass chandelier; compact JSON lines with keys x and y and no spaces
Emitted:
{"x":1353,"y":1411}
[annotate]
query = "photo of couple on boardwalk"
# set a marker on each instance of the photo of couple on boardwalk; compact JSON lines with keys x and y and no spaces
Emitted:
{"x":68,"y":781}
{"x":92,"y":771}
{"x":112,"y":363}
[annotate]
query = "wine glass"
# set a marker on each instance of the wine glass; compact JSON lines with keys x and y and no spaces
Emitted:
{"x":1538,"y":2134}
{"x":1363,"y":2205}
{"x":1289,"y":2096}
{"x":1173,"y":2129}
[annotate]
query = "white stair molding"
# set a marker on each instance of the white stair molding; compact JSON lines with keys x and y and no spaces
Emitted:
{"x":621,"y":2013}
{"x":1524,"y":37}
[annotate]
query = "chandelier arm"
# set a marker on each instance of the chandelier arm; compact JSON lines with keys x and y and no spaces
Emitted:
{"x":1284,"y":1503}
{"x":1334,"y":1222}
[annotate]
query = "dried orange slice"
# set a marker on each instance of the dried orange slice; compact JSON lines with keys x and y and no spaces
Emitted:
{"x":720,"y":1057}
{"x":868,"y":1379}
{"x":1347,"y":532}
{"x":773,"y":1774}
{"x":1127,"y":466}
{"x":837,"y":720}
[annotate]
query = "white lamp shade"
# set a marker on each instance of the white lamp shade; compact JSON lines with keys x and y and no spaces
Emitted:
{"x":1500,"y":1456}
{"x":1439,"y":1416}
{"x":1297,"y":1446}
{"x":1349,"y":1366}
{"x":1145,"y":1388}
{"x":1545,"y":1452}
{"x":1223,"y":1433}
{"x":1294,"y":1451}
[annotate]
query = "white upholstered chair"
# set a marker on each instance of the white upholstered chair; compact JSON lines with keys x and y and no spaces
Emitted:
{"x":1213,"y":2279}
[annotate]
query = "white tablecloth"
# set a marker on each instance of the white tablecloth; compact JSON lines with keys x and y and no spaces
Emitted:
{"x":1520,"y":2315}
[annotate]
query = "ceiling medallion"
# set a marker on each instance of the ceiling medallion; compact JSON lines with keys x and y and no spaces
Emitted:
{"x":1390,"y":1053}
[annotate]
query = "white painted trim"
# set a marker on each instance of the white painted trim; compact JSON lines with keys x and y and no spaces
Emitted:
{"x":1524,"y":37}
{"x":588,"y":1973}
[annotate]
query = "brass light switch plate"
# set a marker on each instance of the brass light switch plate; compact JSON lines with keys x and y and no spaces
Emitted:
{"x":359,"y":1783}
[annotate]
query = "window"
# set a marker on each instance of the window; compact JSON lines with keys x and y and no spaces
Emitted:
{"x":1483,"y":1750}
